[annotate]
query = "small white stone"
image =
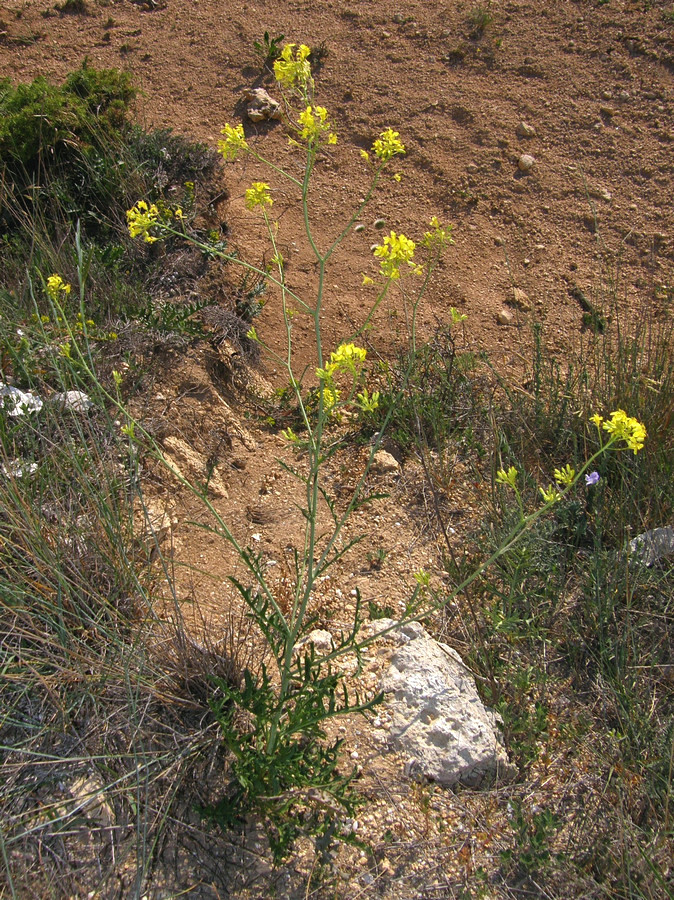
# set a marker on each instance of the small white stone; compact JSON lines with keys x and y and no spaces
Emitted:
{"x":526,"y":162}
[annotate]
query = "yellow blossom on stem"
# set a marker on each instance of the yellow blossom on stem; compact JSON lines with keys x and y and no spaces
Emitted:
{"x":565,"y":476}
{"x":396,"y":250}
{"x":293,"y":70}
{"x":597,"y":420}
{"x":508,"y":478}
{"x":233,"y":143}
{"x":367,"y":402}
{"x":141,"y":218}
{"x":552,"y":495}
{"x":626,"y":428}
{"x":346,"y":358}
{"x":330,"y":398}
{"x":440,"y":236}
{"x":314,"y":122}
{"x":388,"y":144}
{"x":56,"y":286}
{"x":258,"y":195}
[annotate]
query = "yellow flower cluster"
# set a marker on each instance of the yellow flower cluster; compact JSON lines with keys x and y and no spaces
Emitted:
{"x":565,"y":475}
{"x":439,"y":237}
{"x":367,"y":402}
{"x":293,"y":70}
{"x":396,"y":250}
{"x":552,"y":495}
{"x":624,"y":428}
{"x":508,"y":478}
{"x":56,"y":286}
{"x":330,"y":397}
{"x":141,"y":218}
{"x":314,"y":122}
{"x":346,"y":358}
{"x":349,"y":359}
{"x":258,"y":195}
{"x":233,"y":143}
{"x":388,"y":144}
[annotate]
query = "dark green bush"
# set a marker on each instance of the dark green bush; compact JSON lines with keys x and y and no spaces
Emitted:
{"x":42,"y":123}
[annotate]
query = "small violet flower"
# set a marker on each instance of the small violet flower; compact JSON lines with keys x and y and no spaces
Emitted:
{"x":591,"y":479}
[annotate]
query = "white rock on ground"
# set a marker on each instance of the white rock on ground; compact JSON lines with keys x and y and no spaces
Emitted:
{"x":18,"y":403}
{"x":76,"y":401}
{"x":321,"y":639}
{"x":652,"y":546}
{"x":438,"y":719}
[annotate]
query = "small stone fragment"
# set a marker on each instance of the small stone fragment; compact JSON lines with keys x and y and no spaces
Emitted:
{"x":89,"y":795}
{"x":505,"y":317}
{"x":519,"y":299}
{"x":261,"y":105}
{"x":525,"y":163}
{"x":524,"y":130}
{"x":152,"y":519}
{"x":384,"y":463}
{"x":322,"y":641}
{"x":193,"y":467}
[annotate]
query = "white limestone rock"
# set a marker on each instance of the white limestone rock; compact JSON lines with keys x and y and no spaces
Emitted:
{"x":438,"y":719}
{"x":652,"y":546}
{"x":18,"y":403}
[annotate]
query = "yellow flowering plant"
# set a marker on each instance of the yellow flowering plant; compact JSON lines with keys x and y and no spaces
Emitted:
{"x":315,"y":126}
{"x":141,"y":219}
{"x":278,"y":706}
{"x":621,"y":428}
{"x":258,"y":194}
{"x":293,"y":70}
{"x":56,"y":288}
{"x":341,"y":389}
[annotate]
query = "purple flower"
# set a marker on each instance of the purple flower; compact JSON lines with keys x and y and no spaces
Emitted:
{"x":592,"y":478}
